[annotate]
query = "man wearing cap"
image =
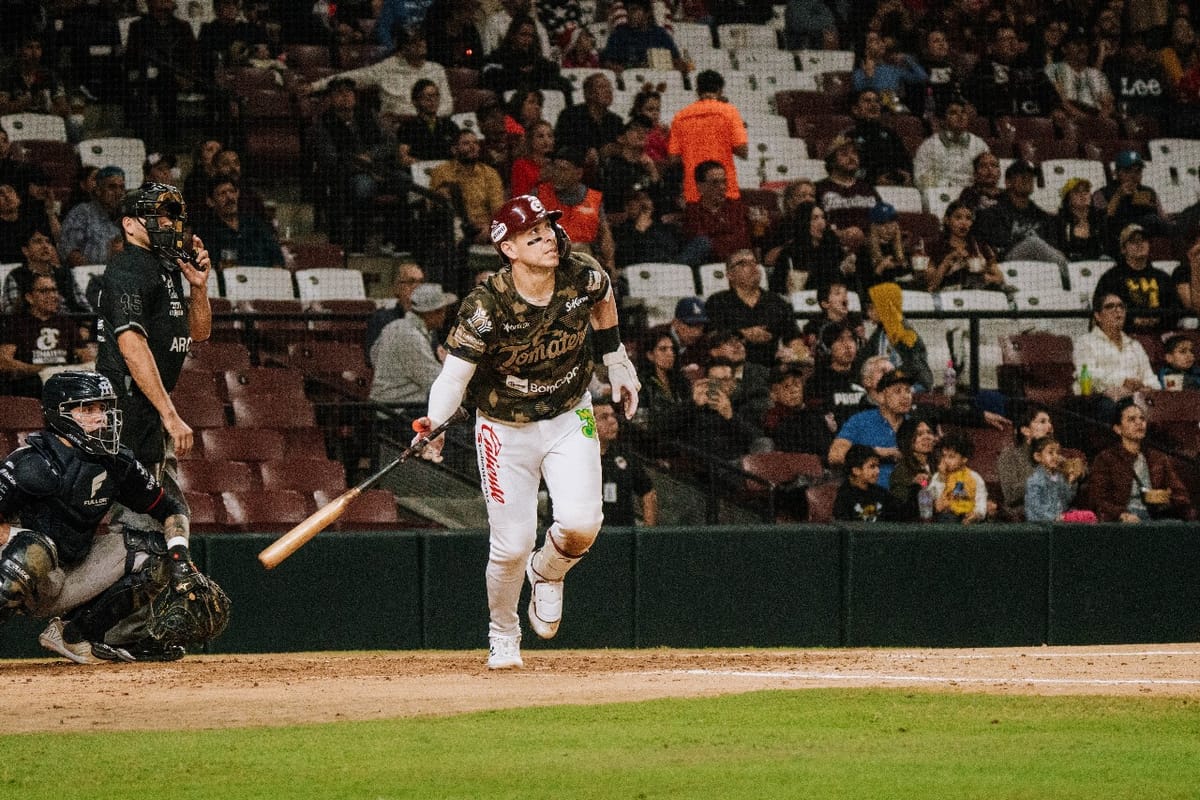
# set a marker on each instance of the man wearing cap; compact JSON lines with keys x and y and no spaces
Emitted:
{"x":1015,"y":227}
{"x":1127,"y":200}
{"x":876,"y":428}
{"x":408,"y":354}
{"x":1140,"y":284}
{"x":520,"y":352}
{"x":846,"y":198}
{"x":946,"y":158}
{"x":475,"y":188}
{"x":581,"y":207}
{"x":686,"y":329}
{"x":90,"y":233}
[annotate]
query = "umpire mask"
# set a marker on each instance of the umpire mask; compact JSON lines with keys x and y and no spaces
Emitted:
{"x":161,"y":209}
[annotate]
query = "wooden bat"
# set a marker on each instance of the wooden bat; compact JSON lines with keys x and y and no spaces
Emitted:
{"x":327,"y":514}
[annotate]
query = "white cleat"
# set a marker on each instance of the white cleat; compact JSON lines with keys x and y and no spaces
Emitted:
{"x":504,"y":652}
{"x":79,"y":652}
{"x":545,"y":603}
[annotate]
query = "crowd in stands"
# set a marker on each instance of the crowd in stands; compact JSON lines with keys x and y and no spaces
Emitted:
{"x":954,"y":139}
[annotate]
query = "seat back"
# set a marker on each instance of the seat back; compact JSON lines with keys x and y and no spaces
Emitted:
{"x":820,"y":502}
{"x":780,"y":469}
{"x":264,"y":510}
{"x":374,"y":509}
{"x":660,"y":280}
{"x":258,"y":283}
{"x":125,"y":152}
{"x":217,"y":356}
{"x":304,"y":475}
{"x":48,"y":127}
{"x":270,"y":381}
{"x":242,"y":444}
{"x":214,"y":476}
{"x":265,"y":411}
{"x":21,"y":414}
{"x":330,"y":283}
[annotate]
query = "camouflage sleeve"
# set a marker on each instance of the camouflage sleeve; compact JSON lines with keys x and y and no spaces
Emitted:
{"x":593,"y":279}
{"x":475,"y":326}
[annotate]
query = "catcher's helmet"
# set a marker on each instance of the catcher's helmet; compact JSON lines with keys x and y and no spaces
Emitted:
{"x":517,"y":215}
{"x":149,"y":203}
{"x":72,"y":388}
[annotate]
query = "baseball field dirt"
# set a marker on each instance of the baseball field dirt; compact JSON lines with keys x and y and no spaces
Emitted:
{"x":223,"y":691}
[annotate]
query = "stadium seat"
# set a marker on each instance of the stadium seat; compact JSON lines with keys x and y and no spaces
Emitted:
{"x":826,"y":60}
{"x":737,"y":36}
{"x":304,"y":475}
{"x":1037,"y":366}
{"x":83,"y":274}
{"x":303,"y":443}
{"x":202,"y":411}
{"x":952,"y":300}
{"x":265,"y":411}
{"x":59,"y":160}
{"x":353,"y":56}
{"x":125,"y":152}
{"x":1031,"y":276}
{"x":330,"y":283}
{"x":312,"y":60}
{"x":271,"y":381}
{"x":764,"y":61}
{"x":217,"y":356}
{"x":713,"y":278}
{"x":264,"y":510}
{"x":693,"y":37}
{"x":1177,"y":152}
{"x":20,"y":414}
{"x":214,"y":476}
{"x":314,"y":255}
{"x":374,"y":509}
{"x":660,"y":280}
{"x":1171,"y":406}
{"x":780,"y":469}
{"x":243,"y":444}
{"x":46,"y":127}
{"x":421,"y":171}
{"x":820,"y":502}
{"x":1048,"y":300}
{"x":1084,"y":275}
{"x":350,"y":324}
{"x":906,"y":199}
{"x":258,"y":283}
{"x":804,"y":301}
{"x":1056,"y":172}
{"x":937,"y":198}
{"x":205,"y":513}
{"x":194,"y":382}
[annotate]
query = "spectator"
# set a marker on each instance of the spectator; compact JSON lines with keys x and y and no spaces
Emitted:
{"x":582,"y":208}
{"x":1116,"y":364}
{"x":1129,"y":483}
{"x":1051,"y":486}
{"x":14,"y":224}
{"x":810,"y":255}
{"x":396,"y":18}
{"x":195,"y":185}
{"x":630,"y":170}
{"x":916,"y":441}
{"x":947,"y":157}
{"x":1079,"y":225}
{"x":1046,"y":48}
{"x":91,"y":233}
{"x":533,"y":167}
{"x":429,"y":136}
{"x":884,"y":158}
{"x":520,"y":62}
{"x":29,"y":86}
{"x":892,"y":75}
{"x":761,"y":317}
{"x":666,"y":393}
{"x":710,"y":129}
{"x":881,"y":258}
{"x":1181,"y":53}
{"x":1083,"y":90}
{"x":237,"y":239}
{"x":591,"y":124}
{"x":92,"y":37}
{"x":581,"y":52}
{"x":644,"y":238}
{"x":1015,"y":228}
{"x":1140,"y":284}
{"x":474,"y":188}
{"x":984,"y":190}
{"x":524,"y":108}
{"x":809,"y":25}
{"x":860,"y":498}
{"x":846,"y":198}
{"x":712,"y":426}
{"x":834,"y":387}
{"x":82,"y":191}
{"x":395,"y":76}
{"x":792,"y":427}
{"x":500,"y":20}
{"x":500,"y":143}
{"x":160,"y":168}
{"x":227,"y":41}
{"x":452,"y":35}
{"x":14,"y":171}
{"x":160,"y":59}
{"x":1138,"y":81}
{"x":409,"y":276}
{"x":1126,"y":201}
{"x":1005,"y":84}
{"x":944,"y":81}
{"x":834,"y":301}
{"x":716,"y":219}
{"x":629,"y":45}
{"x":876,"y":427}
{"x":623,"y":478}
{"x":1179,"y":369}
{"x":37,"y":337}
{"x":648,"y":103}
{"x":355,"y":159}
{"x":686,"y":330}
{"x":408,"y":354}
{"x":227,"y":163}
{"x":959,"y":260}
{"x":751,"y":386}
{"x":893,"y":337}
{"x":41,"y":259}
{"x":1015,"y":463}
{"x":960,"y":495}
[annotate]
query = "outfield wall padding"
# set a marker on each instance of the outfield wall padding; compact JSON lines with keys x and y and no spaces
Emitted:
{"x":758,"y":586}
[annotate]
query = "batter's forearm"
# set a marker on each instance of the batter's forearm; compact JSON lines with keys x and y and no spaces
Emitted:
{"x":448,"y":391}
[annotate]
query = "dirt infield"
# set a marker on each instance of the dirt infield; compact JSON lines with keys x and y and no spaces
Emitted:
{"x":284,"y":689}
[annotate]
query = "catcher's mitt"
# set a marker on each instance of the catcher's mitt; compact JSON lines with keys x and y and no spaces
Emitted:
{"x":192,"y":612}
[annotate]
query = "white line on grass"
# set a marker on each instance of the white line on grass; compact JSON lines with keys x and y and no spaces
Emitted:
{"x":870,"y":676}
{"x":1089,"y":654}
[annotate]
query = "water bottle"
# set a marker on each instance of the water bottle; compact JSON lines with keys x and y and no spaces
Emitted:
{"x":925,"y":503}
{"x":1085,"y":381}
{"x":949,"y":379}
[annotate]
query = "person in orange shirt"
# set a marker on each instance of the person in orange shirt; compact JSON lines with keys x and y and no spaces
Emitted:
{"x":710,"y":129}
{"x":582,"y":207}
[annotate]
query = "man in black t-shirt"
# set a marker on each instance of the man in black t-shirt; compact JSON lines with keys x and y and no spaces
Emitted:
{"x":623,"y":479}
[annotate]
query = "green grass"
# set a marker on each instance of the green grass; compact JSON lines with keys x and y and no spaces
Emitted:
{"x":778,"y":744}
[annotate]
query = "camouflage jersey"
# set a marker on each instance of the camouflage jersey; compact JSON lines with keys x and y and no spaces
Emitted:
{"x":532,"y":362}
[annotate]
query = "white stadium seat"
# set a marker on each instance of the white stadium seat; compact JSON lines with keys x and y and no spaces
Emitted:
{"x":258,"y":283}
{"x":1057,"y":171}
{"x":125,"y":152}
{"x":330,"y":283}
{"x":656,"y":279}
{"x":47,"y":127}
{"x":906,"y":199}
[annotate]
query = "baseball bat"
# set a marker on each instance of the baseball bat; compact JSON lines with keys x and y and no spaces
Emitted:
{"x":326,"y":515}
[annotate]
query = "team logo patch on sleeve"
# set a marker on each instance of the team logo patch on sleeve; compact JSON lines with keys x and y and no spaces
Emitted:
{"x":480,"y":321}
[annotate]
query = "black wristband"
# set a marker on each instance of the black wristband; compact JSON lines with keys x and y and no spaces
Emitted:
{"x":607,"y":340}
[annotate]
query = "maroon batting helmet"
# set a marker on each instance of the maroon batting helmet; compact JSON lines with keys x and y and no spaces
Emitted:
{"x":519,"y":214}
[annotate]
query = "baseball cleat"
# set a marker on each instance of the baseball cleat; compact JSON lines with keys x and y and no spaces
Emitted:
{"x":504,"y":652}
{"x":79,"y":652}
{"x":110,"y":653}
{"x":545,"y":603}
{"x":151,"y":650}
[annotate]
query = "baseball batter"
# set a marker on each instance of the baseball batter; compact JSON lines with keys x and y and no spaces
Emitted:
{"x":521,"y":353}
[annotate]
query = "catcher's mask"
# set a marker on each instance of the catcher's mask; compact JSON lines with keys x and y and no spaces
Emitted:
{"x":74,"y":388}
{"x":150,"y":203}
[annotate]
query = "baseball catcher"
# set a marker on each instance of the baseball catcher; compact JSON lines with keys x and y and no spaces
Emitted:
{"x":54,"y":493}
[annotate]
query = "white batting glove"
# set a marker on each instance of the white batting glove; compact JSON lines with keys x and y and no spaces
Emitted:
{"x":433,"y":450}
{"x":623,"y":379}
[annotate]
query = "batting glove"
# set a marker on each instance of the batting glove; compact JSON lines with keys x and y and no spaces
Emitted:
{"x":623,"y":379}
{"x":433,"y":450}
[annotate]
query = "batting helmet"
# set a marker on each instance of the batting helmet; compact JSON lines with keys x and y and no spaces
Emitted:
{"x":72,"y":388}
{"x":149,"y":203}
{"x":519,"y":214}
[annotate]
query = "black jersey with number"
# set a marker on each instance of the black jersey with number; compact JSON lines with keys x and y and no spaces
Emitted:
{"x":532,"y":362}
{"x":62,"y":493}
{"x":139,"y":292}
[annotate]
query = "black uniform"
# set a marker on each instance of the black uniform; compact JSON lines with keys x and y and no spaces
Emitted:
{"x":623,"y":480}
{"x":139,"y":292}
